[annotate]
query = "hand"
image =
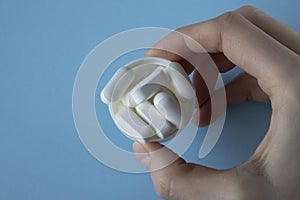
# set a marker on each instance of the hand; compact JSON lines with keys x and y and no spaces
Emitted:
{"x":269,"y":53}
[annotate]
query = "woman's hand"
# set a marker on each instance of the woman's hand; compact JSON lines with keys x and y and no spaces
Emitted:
{"x":269,"y":53}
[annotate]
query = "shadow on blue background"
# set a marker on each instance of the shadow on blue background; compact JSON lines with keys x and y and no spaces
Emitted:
{"x":42,"y":44}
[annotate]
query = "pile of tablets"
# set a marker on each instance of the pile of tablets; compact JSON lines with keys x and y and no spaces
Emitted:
{"x":150,"y":99}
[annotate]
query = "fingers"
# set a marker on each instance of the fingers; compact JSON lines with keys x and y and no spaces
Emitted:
{"x":272,"y":27}
{"x":241,"y":42}
{"x":222,"y":62}
{"x":203,"y":87}
{"x":243,"y":87}
{"x":174,"y":181}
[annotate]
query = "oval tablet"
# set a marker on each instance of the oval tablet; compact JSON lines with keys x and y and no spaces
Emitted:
{"x":117,"y":85}
{"x":144,"y":93}
{"x":161,"y":126}
{"x":132,"y":125}
{"x":180,"y":81}
{"x":168,"y":106}
{"x":156,"y":78}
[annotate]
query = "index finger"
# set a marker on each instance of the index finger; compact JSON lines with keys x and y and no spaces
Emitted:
{"x":242,"y":43}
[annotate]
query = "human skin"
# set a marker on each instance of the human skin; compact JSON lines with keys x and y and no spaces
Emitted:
{"x":269,"y":53}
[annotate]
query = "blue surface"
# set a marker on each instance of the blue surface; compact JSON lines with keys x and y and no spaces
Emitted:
{"x":42,"y":44}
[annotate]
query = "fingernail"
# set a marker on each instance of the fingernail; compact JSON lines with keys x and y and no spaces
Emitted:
{"x":142,"y":154}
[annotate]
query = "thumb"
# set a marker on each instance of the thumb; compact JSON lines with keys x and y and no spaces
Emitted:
{"x":155,"y":156}
{"x":171,"y":175}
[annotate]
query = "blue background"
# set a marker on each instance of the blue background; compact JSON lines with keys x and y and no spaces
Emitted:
{"x":42,"y":44}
